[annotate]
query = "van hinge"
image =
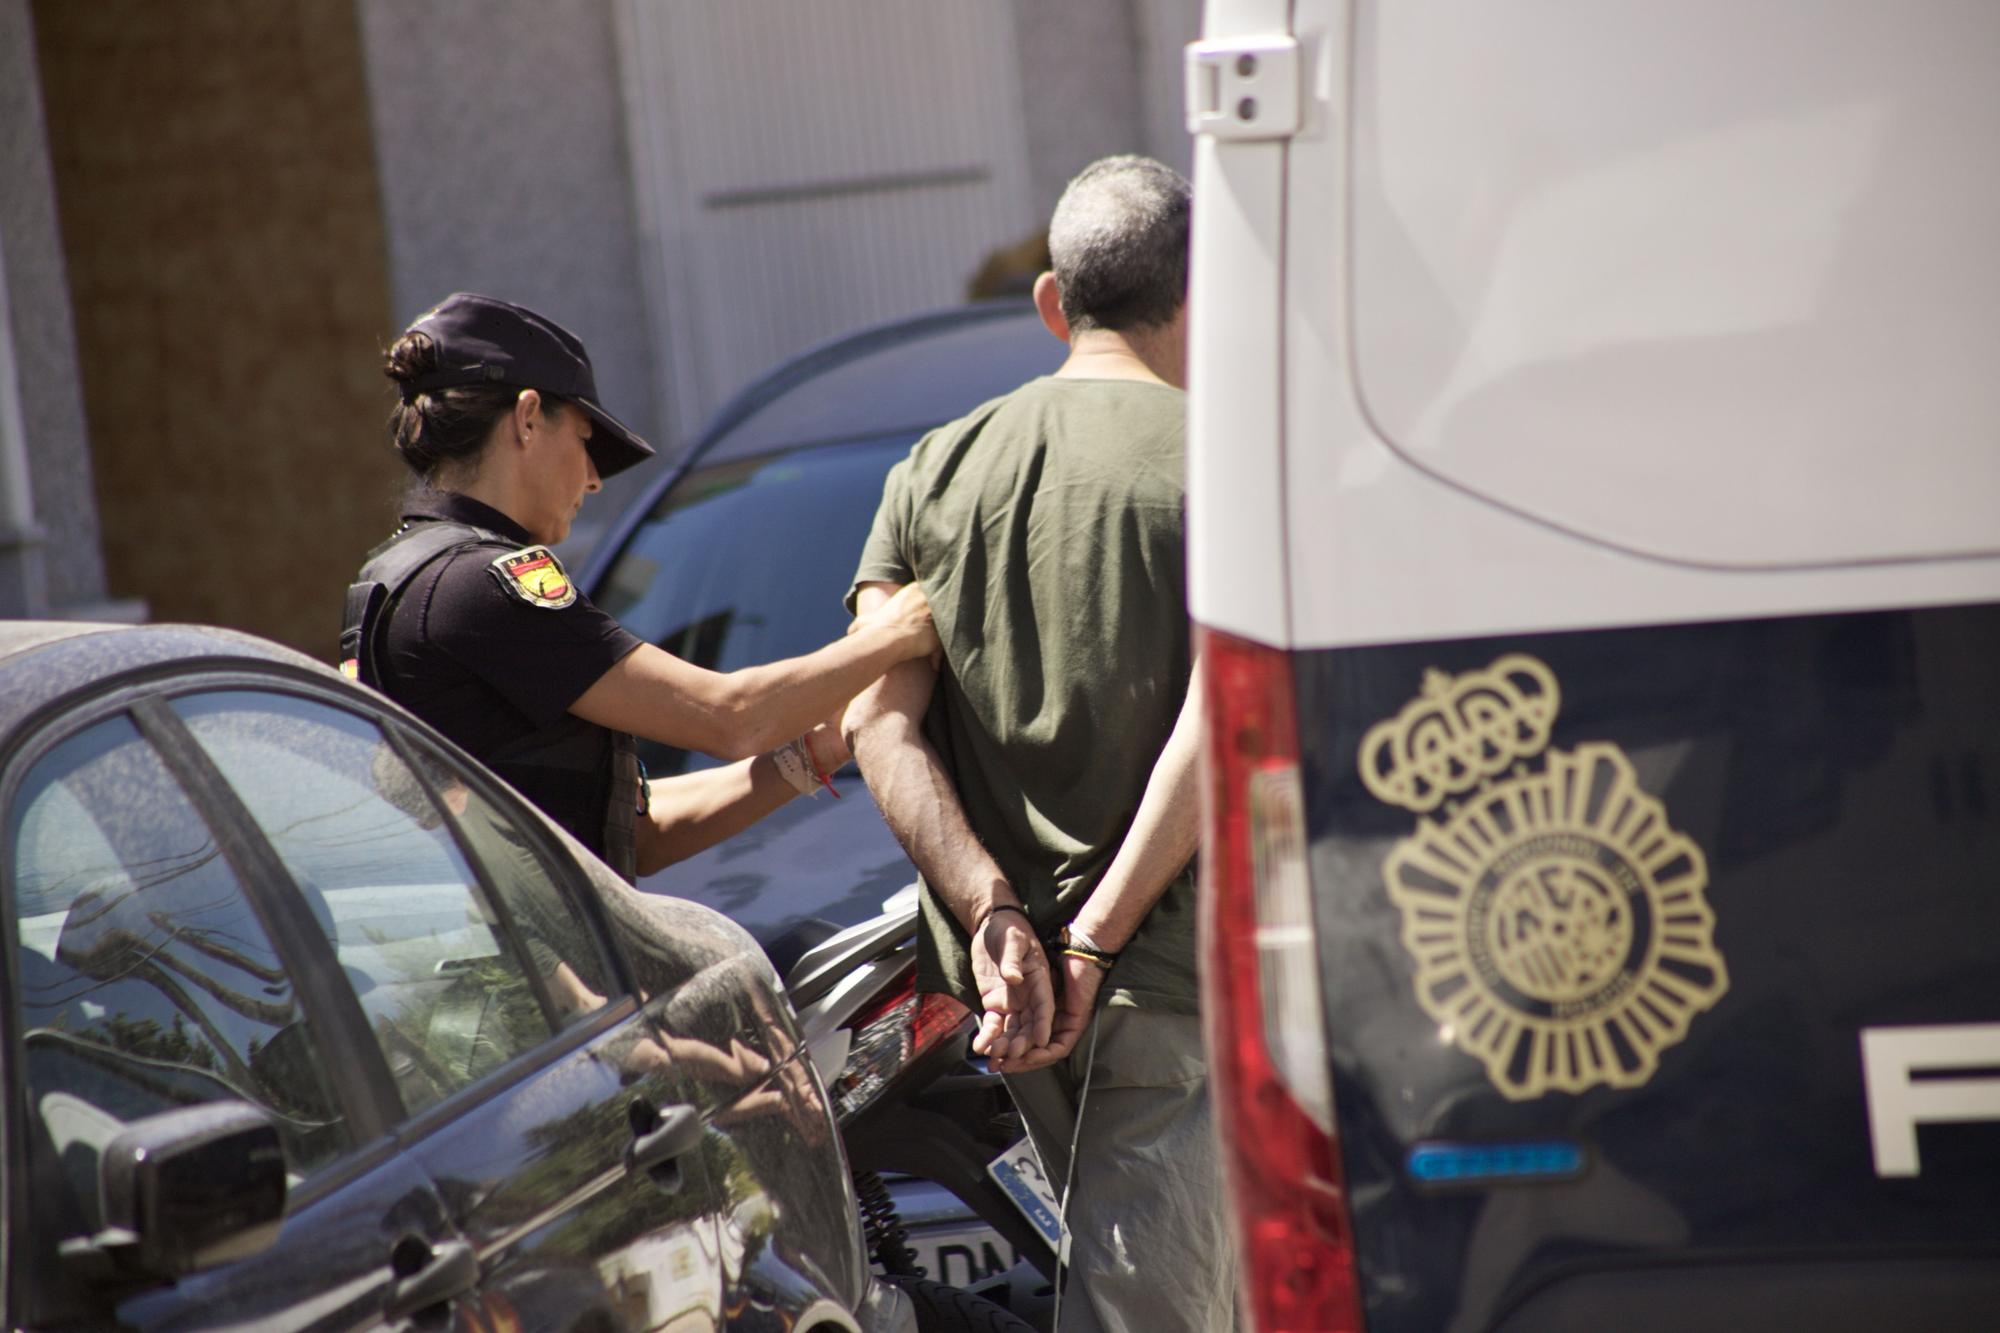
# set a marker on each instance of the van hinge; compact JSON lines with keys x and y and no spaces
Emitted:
{"x":1244,"y":87}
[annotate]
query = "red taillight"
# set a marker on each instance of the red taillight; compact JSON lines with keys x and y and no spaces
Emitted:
{"x":1265,"y":1037}
{"x":938,"y":1016}
{"x":889,"y":1036}
{"x":883,"y":1003}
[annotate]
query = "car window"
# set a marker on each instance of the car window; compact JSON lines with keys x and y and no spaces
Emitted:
{"x":446,"y":991}
{"x":555,"y":933}
{"x":747,"y":562}
{"x":146,"y":980}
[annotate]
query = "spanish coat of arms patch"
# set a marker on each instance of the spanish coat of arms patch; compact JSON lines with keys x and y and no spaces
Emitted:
{"x":1558,"y":922}
{"x":534,"y":575}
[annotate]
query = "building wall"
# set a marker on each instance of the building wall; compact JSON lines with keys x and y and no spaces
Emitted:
{"x":501,"y":136}
{"x":1080,"y":85}
{"x":1165,"y":27}
{"x":699,"y":191}
{"x":1100,"y":77}
{"x":223,"y":233}
{"x":255,"y":198}
{"x":43,"y":338}
{"x":810,"y":169}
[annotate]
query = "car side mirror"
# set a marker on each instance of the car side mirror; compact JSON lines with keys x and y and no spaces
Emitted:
{"x":186,"y":1190}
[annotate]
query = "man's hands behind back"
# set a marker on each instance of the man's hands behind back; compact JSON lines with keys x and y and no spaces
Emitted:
{"x":1081,"y":982}
{"x":1015,"y":990}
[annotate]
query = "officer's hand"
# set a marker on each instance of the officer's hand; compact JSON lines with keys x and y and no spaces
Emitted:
{"x":829,"y":746}
{"x":908,"y":616}
{"x":1014,"y":990}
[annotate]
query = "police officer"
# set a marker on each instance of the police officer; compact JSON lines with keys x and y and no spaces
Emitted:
{"x":467,"y":618}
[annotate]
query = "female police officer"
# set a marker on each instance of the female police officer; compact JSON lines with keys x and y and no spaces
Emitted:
{"x":466,"y":618}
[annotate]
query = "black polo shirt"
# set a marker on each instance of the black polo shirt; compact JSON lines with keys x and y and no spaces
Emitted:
{"x":478,"y":663}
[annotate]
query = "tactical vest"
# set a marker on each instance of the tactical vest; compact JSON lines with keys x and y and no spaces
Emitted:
{"x":570,"y":751}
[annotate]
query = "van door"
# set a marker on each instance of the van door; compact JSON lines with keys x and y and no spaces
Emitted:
{"x":1630,"y":791}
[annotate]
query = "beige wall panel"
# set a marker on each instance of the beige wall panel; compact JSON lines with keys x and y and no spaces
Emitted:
{"x":1080,"y":82}
{"x":1165,"y":29}
{"x":219,"y":209}
{"x":809,"y":168}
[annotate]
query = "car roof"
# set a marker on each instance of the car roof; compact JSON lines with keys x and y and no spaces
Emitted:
{"x":900,"y":378}
{"x":909,"y":375}
{"x":42,"y":661}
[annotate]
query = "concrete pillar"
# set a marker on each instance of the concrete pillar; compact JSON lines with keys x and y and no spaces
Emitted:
{"x":50,"y":548}
{"x":23,"y":581}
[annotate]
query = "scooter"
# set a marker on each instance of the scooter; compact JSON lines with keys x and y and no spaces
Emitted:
{"x":913,"y":1102}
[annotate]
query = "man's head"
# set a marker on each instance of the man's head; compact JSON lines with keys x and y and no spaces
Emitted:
{"x":1118,"y":245}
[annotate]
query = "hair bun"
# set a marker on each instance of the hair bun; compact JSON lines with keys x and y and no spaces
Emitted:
{"x":433,"y":428}
{"x":409,"y":356}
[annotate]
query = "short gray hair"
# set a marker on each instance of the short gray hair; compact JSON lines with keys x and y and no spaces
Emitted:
{"x":1119,"y":244}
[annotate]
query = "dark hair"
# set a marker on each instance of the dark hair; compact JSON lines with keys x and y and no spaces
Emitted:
{"x":439,"y":426}
{"x":1118,"y":245}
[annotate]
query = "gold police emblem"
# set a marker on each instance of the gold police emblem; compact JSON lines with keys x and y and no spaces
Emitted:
{"x":1558,"y":922}
{"x":534,"y":575}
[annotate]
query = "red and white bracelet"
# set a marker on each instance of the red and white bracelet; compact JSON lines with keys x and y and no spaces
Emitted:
{"x":798,"y":765}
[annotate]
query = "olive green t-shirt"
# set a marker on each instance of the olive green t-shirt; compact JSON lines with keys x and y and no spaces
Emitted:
{"x":1046,"y":529}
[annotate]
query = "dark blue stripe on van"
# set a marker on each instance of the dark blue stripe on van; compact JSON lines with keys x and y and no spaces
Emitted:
{"x":1839,"y":778}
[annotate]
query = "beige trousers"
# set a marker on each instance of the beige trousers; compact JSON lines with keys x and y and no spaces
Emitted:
{"x":1150,"y":1248}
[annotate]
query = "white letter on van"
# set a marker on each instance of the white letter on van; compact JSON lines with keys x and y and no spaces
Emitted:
{"x":1898,"y":1103}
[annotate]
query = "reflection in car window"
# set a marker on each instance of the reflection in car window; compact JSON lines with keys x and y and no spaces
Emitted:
{"x":558,"y":940}
{"x":146,"y":980}
{"x":747,"y":562}
{"x":444,"y":990}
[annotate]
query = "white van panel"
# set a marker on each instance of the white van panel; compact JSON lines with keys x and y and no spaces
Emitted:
{"x":1379,"y":550}
{"x":1236,"y":536}
{"x":1726,"y":302}
{"x":1382,"y":553}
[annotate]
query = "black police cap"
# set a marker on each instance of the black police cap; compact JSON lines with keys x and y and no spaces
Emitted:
{"x":481,"y":340}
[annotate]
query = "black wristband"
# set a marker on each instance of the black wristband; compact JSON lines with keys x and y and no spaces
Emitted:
{"x":987,"y":915}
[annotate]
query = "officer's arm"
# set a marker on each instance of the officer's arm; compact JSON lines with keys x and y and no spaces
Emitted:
{"x":737,"y":714}
{"x":691,"y":812}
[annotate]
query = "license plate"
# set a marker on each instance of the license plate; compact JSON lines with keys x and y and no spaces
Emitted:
{"x":959,"y":1257}
{"x":1018,"y":1172}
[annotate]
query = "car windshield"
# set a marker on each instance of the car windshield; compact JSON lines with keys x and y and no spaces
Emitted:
{"x":746,"y":561}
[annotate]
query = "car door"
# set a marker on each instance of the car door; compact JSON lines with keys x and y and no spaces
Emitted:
{"x":562,"y":1134}
{"x":147,"y":973}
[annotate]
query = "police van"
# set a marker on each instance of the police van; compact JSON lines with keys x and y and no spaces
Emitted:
{"x":1594,"y":530}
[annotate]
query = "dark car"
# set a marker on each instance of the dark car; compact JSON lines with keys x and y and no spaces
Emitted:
{"x":741,"y":555}
{"x":312,"y":1023}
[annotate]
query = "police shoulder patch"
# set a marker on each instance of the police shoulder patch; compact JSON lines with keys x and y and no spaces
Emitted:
{"x":534,"y":575}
